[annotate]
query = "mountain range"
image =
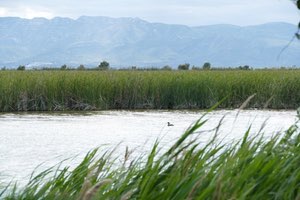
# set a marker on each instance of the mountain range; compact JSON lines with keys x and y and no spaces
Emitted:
{"x":125,"y":42}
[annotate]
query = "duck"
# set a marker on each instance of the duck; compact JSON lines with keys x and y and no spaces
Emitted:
{"x":169,"y":124}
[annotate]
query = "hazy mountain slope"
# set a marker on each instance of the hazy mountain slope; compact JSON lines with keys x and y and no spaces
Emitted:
{"x":132,"y":41}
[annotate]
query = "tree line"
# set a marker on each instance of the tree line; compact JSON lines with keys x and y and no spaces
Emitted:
{"x":104,"y":65}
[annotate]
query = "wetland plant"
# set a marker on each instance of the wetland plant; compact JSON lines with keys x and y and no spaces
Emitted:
{"x":102,"y":90}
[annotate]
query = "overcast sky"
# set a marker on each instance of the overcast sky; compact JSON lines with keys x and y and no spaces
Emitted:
{"x":188,"y":12}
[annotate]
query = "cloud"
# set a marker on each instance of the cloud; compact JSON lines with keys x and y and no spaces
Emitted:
{"x":31,"y":13}
{"x":26,"y":12}
{"x":3,"y":12}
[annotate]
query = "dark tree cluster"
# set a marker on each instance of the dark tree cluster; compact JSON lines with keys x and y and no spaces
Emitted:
{"x":104,"y":65}
{"x":185,"y":66}
{"x":21,"y":68}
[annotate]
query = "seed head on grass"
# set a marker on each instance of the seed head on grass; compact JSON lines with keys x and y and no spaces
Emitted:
{"x":92,"y":191}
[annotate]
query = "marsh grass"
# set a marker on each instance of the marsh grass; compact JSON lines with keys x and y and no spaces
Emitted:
{"x":253,"y":168}
{"x":101,"y":90}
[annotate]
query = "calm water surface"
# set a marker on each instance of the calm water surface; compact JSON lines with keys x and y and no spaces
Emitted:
{"x":27,"y":140}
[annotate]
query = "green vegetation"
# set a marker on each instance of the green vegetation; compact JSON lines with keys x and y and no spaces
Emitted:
{"x":253,"y":168}
{"x":194,"y":89}
{"x":104,"y":65}
{"x":206,"y":66}
{"x":21,"y":68}
{"x":63,"y":67}
{"x":81,"y":67}
{"x":185,"y":66}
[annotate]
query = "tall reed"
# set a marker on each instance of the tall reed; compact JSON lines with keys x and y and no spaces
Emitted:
{"x":98,"y":90}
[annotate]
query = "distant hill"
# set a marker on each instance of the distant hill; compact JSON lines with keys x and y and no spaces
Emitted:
{"x":131,"y":41}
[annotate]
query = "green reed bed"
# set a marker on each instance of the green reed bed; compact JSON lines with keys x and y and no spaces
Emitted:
{"x":253,"y":168}
{"x":98,"y":90}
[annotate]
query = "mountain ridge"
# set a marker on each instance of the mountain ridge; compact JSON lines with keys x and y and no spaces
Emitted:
{"x":135,"y":42}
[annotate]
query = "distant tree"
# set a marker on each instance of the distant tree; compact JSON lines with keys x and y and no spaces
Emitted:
{"x":21,"y":68}
{"x":206,"y":66}
{"x":195,"y":68}
{"x":3,"y":68}
{"x":245,"y":67}
{"x":104,"y":65}
{"x":133,"y":68}
{"x":81,"y":67}
{"x":63,"y":67}
{"x":166,"y":68}
{"x":185,"y":66}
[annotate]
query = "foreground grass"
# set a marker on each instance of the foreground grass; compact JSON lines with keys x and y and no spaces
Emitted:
{"x":250,"y":169}
{"x":98,"y":90}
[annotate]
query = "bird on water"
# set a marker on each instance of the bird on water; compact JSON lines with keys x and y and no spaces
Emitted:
{"x":169,"y":124}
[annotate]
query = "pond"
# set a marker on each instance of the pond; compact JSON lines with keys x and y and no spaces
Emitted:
{"x":30,"y":139}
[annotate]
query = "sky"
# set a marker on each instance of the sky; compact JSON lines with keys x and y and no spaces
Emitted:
{"x":187,"y":12}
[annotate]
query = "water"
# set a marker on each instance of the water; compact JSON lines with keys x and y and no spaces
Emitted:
{"x":27,"y":140}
